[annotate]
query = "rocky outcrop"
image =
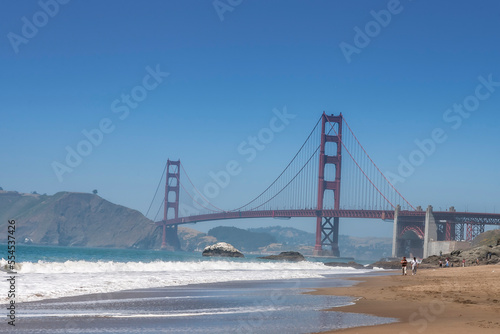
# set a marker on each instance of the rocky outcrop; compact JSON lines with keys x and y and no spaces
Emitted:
{"x":473,"y":256}
{"x":285,"y":256}
{"x":222,"y":249}
{"x":488,"y":238}
{"x":350,"y":264}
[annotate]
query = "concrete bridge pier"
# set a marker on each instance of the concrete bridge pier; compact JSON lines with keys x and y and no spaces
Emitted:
{"x":430,"y":233}
{"x":407,"y":235}
{"x":395,"y":232}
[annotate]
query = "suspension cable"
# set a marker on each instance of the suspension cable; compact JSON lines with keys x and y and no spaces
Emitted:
{"x":158,"y":212}
{"x":389,"y":182}
{"x":182,"y":186}
{"x":362,"y":171}
{"x":196,"y":189}
{"x":156,"y":192}
{"x":279,"y":192}
{"x":310,"y":134}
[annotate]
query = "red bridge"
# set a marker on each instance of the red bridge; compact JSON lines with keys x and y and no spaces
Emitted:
{"x":331,"y":162}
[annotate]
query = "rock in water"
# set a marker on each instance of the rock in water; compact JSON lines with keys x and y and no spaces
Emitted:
{"x":285,"y":256}
{"x":222,"y":249}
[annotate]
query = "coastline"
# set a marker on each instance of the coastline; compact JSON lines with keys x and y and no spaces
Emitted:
{"x":447,"y":300}
{"x":266,"y":306}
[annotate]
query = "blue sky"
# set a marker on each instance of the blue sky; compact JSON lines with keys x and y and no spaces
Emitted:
{"x":67,"y":65}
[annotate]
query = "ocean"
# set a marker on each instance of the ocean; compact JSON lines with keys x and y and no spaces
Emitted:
{"x":89,"y":290}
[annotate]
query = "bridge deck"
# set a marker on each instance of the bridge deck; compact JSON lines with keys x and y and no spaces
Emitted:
{"x":460,"y":217}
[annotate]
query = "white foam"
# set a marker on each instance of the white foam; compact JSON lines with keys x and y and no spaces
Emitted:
{"x":43,"y":280}
{"x":120,"y":314}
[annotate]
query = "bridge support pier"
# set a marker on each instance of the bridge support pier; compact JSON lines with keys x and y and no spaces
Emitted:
{"x":170,"y":240}
{"x":430,"y":233}
{"x":395,"y":231}
{"x":408,"y":235}
{"x":171,"y":205}
{"x":327,"y":231}
{"x":327,"y":234}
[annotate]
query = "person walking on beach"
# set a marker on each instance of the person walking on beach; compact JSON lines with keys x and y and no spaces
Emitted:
{"x":463,"y":263}
{"x":404,"y":263}
{"x":414,"y":265}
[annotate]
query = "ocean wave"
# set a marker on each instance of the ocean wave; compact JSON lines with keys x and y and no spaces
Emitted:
{"x":154,"y":266}
{"x":42,"y":280}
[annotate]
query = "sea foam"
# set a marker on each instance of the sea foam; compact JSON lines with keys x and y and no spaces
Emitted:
{"x":43,"y":280}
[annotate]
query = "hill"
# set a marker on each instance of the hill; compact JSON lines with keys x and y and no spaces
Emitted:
{"x":287,"y":236}
{"x":75,"y":219}
{"x":194,"y":241}
{"x":367,"y":248}
{"x":86,"y":220}
{"x":488,"y":238}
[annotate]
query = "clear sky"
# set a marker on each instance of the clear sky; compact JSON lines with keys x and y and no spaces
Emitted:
{"x":192,"y":80}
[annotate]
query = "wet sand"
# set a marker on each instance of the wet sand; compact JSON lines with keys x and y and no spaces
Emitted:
{"x":447,"y":300}
{"x":264,"y":307}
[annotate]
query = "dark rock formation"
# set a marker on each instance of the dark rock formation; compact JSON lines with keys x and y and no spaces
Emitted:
{"x":222,"y":249}
{"x":350,"y":264}
{"x":285,"y":256}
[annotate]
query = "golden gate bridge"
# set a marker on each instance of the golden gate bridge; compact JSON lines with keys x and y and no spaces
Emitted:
{"x":330,"y":177}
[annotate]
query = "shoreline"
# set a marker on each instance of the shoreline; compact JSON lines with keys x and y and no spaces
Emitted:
{"x":443,"y":300}
{"x":266,"y":306}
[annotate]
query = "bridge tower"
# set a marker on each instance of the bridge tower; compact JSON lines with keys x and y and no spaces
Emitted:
{"x":171,"y":204}
{"x":327,"y":228}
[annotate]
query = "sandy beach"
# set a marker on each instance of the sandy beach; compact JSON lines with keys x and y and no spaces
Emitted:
{"x":446,"y":300}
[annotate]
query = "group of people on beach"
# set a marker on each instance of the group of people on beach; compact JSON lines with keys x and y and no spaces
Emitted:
{"x":446,"y":264}
{"x":413,"y":263}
